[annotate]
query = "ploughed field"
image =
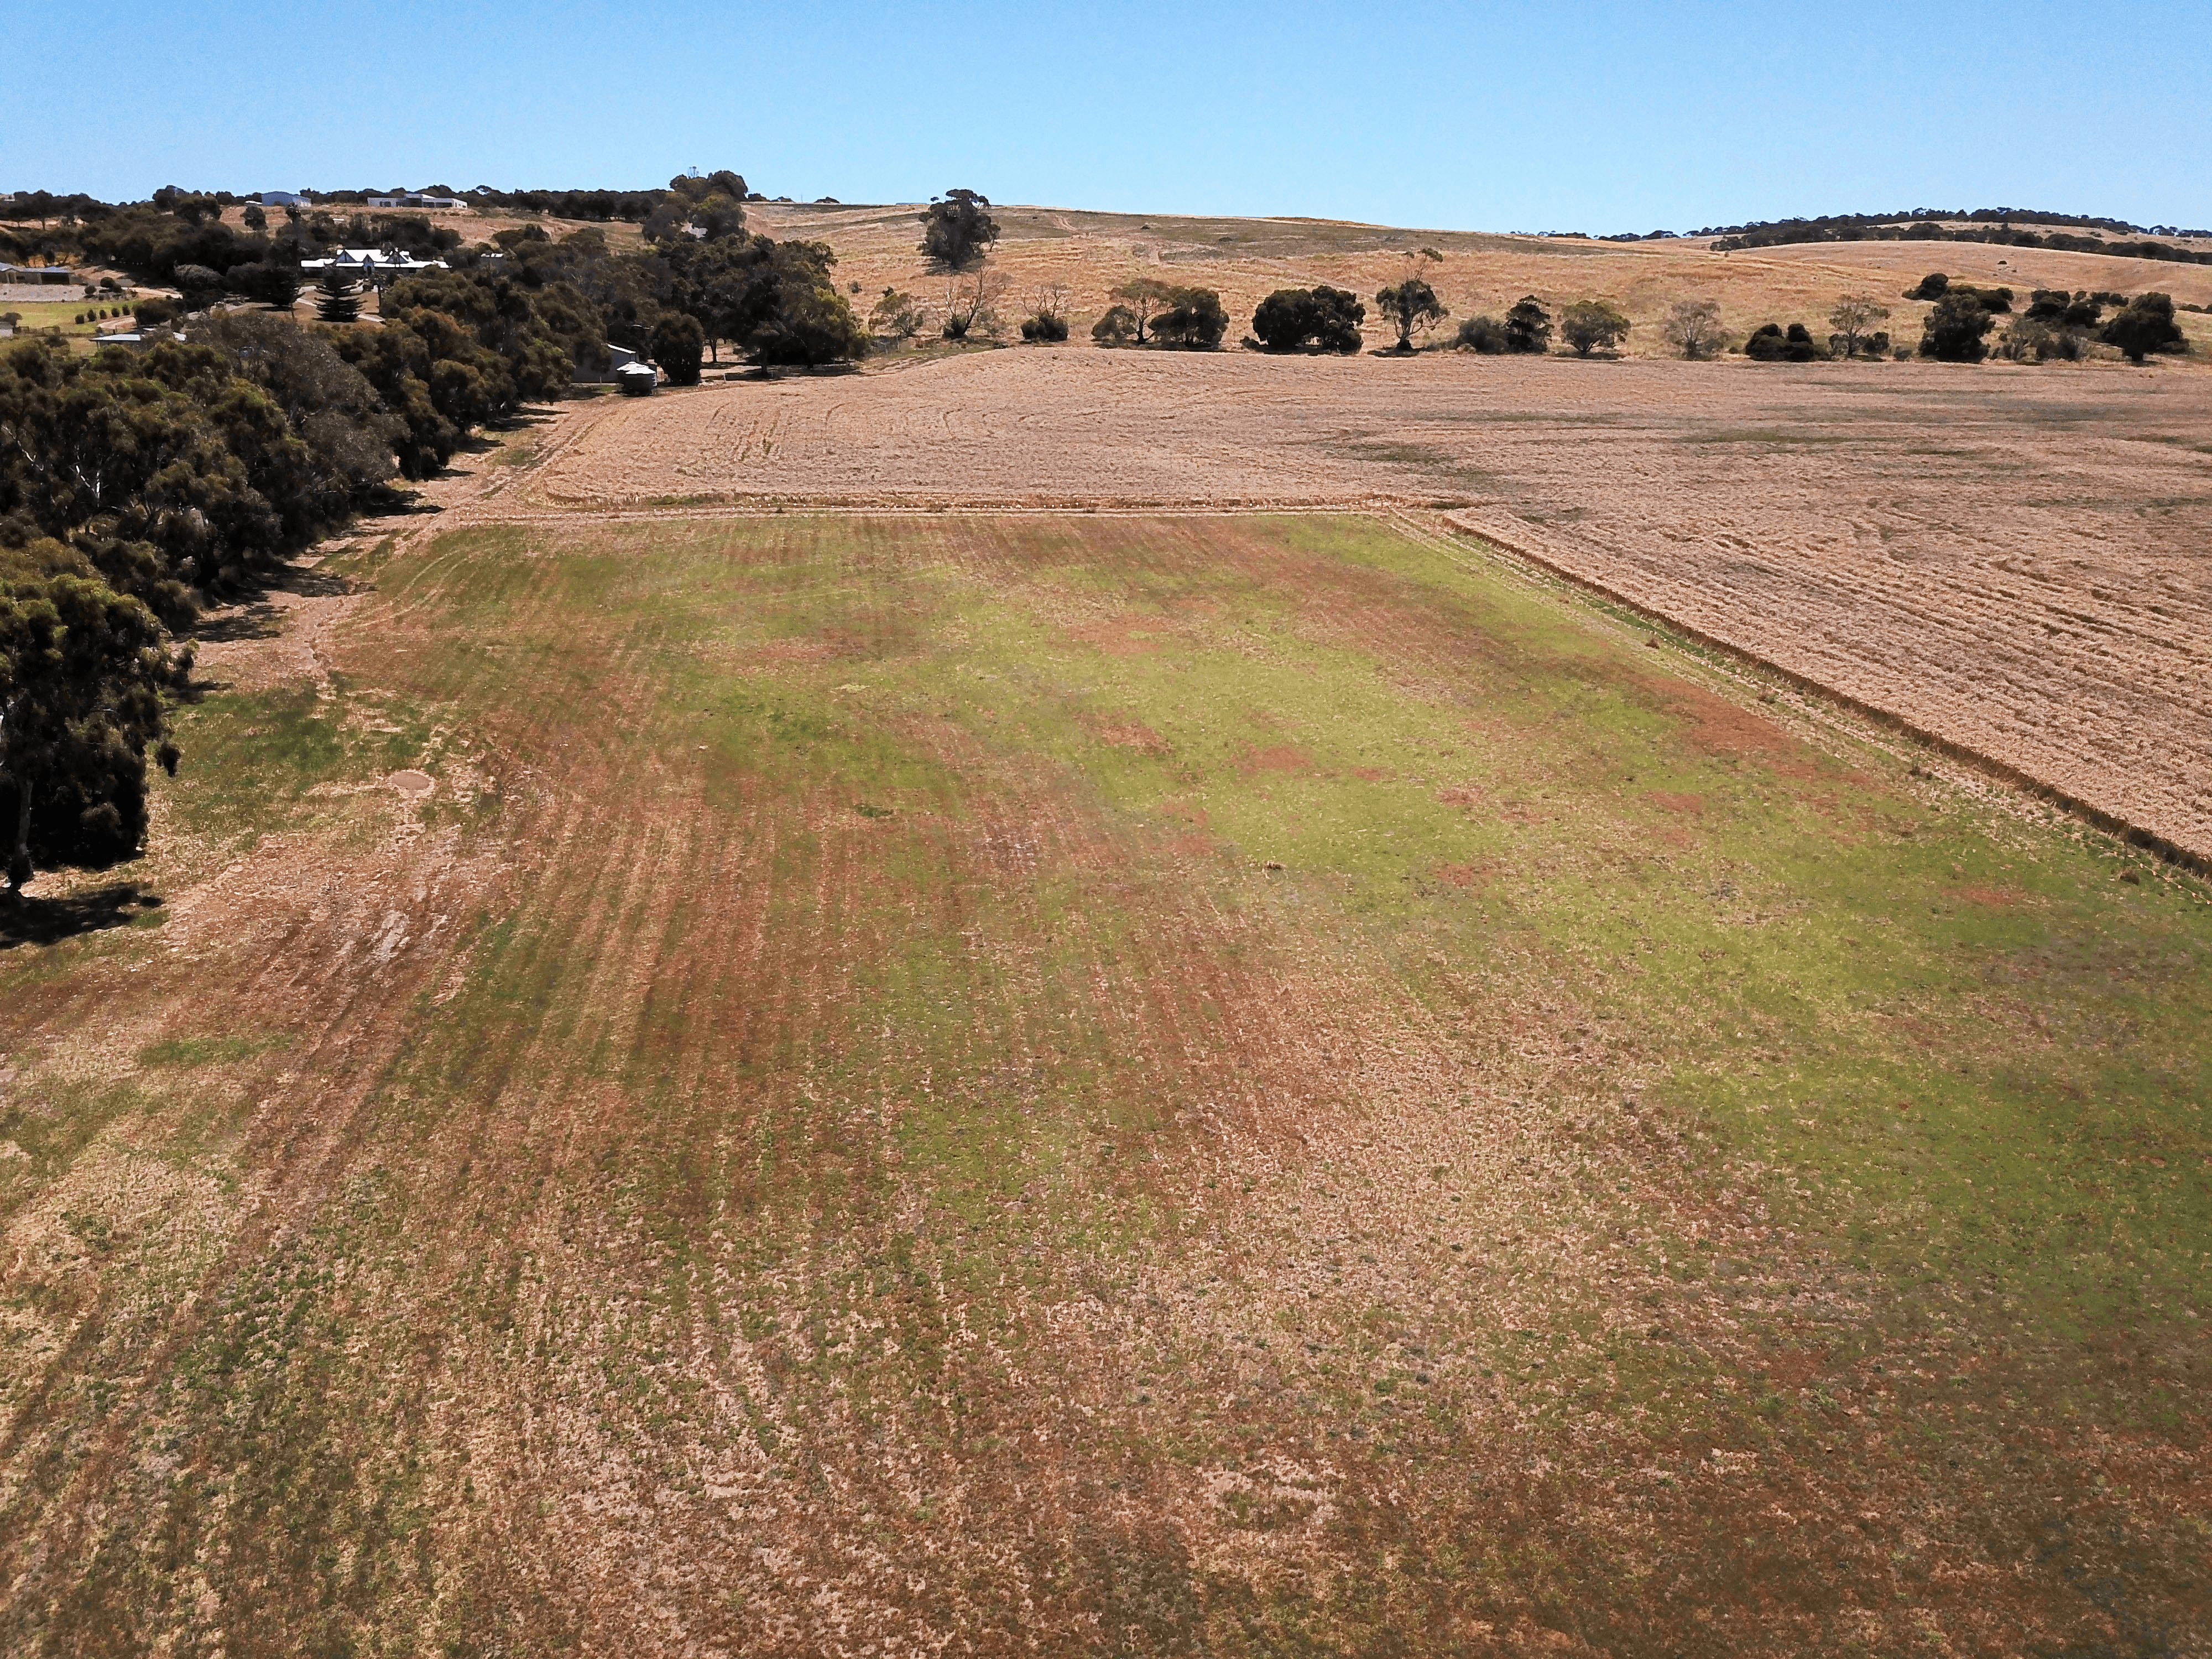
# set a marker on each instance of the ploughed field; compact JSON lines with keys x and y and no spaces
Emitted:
{"x":1072,"y":1083}
{"x":2014,"y":560}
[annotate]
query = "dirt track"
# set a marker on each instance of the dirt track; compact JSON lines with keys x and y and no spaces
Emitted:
{"x":2012,"y":559}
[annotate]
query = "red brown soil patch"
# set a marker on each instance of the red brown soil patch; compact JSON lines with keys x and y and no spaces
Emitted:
{"x":1989,"y":898}
{"x":1687,"y":805}
{"x":1121,"y":636}
{"x":1463,"y":795}
{"x":1719,"y":726}
{"x":1252,"y":759}
{"x":1130,"y":734}
{"x":1462,"y":875}
{"x":1370,"y":774}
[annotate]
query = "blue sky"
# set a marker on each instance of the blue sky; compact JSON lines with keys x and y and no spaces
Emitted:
{"x":1580,"y":114}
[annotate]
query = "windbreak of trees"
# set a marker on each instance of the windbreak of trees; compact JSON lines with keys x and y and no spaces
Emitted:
{"x":1985,"y":225}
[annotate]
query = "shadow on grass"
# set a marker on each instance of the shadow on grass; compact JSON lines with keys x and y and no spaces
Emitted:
{"x":27,"y":920}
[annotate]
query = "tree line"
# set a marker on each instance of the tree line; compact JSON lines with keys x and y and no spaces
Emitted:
{"x":136,"y":488}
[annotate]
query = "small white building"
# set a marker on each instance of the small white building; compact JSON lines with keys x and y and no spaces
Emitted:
{"x":418,"y":199}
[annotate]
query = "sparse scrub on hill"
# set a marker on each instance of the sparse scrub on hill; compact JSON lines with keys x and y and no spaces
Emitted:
{"x":1771,"y":343}
{"x":958,"y":230}
{"x":1589,"y":325}
{"x":1693,"y":328}
{"x":1319,"y":319}
{"x":1956,"y":330}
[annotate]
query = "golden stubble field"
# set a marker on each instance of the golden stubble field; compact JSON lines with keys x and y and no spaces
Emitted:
{"x":2012,"y":560}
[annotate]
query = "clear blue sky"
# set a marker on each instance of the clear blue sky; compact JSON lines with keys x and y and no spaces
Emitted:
{"x":1578,"y":114}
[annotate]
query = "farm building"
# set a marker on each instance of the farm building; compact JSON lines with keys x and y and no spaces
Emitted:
{"x":415,"y":199}
{"x":60,"y":275}
{"x":284,"y":198}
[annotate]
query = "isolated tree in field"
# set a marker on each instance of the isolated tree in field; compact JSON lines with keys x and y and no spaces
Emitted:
{"x":1954,"y":331}
{"x":336,"y":302}
{"x":2145,"y":325}
{"x":677,"y":345}
{"x":1586,"y":325}
{"x":254,"y":218}
{"x":1693,"y":328}
{"x":1528,"y":325}
{"x":82,"y":673}
{"x":1144,"y":298}
{"x":1933,"y":286}
{"x":897,"y":316}
{"x":1412,"y":307}
{"x":1853,"y":319}
{"x":1194,"y":320}
{"x":1292,"y":319}
{"x":958,"y":230}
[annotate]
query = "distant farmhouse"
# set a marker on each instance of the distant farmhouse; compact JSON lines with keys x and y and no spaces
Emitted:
{"x":10,"y":274}
{"x":374,"y":266}
{"x":284,"y":198}
{"x":415,"y":199}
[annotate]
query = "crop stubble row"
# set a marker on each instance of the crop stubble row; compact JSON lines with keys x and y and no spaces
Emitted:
{"x":2012,"y":560}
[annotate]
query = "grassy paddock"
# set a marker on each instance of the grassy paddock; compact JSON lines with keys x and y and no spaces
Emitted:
{"x":1231,"y":1085}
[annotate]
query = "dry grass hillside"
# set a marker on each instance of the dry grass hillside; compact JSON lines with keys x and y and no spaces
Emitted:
{"x":1245,"y":259}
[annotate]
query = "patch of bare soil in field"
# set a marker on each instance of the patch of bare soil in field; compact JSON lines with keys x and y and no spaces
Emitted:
{"x":2014,"y":561}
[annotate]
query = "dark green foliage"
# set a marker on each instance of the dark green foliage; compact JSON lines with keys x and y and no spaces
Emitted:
{"x":2145,"y":325}
{"x":1771,"y":343}
{"x":1317,"y":318}
{"x":1955,"y":331}
{"x":1933,"y":286}
{"x":272,"y":283}
{"x":805,"y":320}
{"x":1996,"y":300}
{"x":1412,"y":307}
{"x":201,"y":287}
{"x":338,"y":304}
{"x":1193,"y":321}
{"x":1045,"y":328}
{"x":84,"y":671}
{"x":1528,"y":325}
{"x":679,"y":346}
{"x":958,"y":230}
{"x":152,"y":314}
{"x":1484,"y":334}
{"x":2059,"y":309}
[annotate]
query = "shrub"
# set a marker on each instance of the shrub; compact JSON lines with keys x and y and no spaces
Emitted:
{"x":1769,"y":342}
{"x":1954,"y":331}
{"x":897,"y":316}
{"x":1853,"y":318}
{"x":1045,"y":328}
{"x":2144,"y":326}
{"x":152,"y":314}
{"x":1528,"y":325}
{"x":1933,"y":286}
{"x":1293,"y":319}
{"x":1117,"y":327}
{"x":1484,"y":334}
{"x":1193,"y":321}
{"x":1587,"y":323}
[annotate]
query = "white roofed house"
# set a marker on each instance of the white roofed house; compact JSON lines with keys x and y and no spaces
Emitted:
{"x":415,"y":199}
{"x":373,"y":265}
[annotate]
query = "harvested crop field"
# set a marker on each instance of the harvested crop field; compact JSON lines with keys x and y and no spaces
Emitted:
{"x":1084,"y":1084}
{"x":2014,"y":560}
